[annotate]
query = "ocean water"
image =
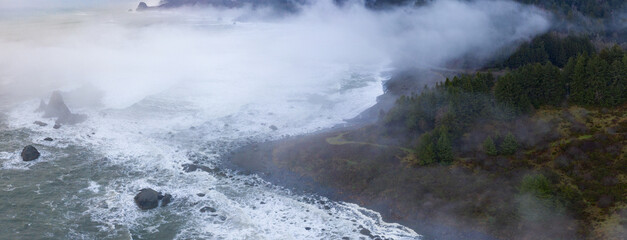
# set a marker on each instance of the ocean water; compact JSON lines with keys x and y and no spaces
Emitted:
{"x":159,"y":92}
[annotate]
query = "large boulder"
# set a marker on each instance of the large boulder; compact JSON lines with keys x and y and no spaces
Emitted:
{"x":148,"y":198}
{"x":30,"y":153}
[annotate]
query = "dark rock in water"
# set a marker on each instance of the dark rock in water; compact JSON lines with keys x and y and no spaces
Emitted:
{"x":274,"y":128}
{"x":30,"y":153}
{"x":147,"y":199}
{"x":56,"y":126}
{"x":49,"y":139}
{"x":200,"y":194}
{"x":194,"y":167}
{"x":167,"y":198}
{"x":366,"y":232}
{"x":208,"y":209}
{"x":40,"y":123}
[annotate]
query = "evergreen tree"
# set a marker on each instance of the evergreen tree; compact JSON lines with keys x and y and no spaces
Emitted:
{"x":444,"y":149}
{"x":612,"y":54}
{"x":509,"y":145}
{"x":489,"y":147}
{"x":597,"y":71}
{"x":579,"y":88}
{"x":549,"y":47}
{"x":511,"y":94}
{"x":566,"y":77}
{"x":617,"y":89}
{"x":426,"y":150}
{"x":553,"y":88}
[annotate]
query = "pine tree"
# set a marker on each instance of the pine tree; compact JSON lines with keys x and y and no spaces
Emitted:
{"x":426,"y":151}
{"x":444,"y":149}
{"x":509,"y":145}
{"x":566,"y":76}
{"x":579,"y":88}
{"x":597,"y":70}
{"x":512,"y":94}
{"x":489,"y":147}
{"x":617,"y":84}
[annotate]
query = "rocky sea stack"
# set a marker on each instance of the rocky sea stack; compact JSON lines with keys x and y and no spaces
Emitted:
{"x":30,"y":153}
{"x":142,"y":6}
{"x":56,"y":108}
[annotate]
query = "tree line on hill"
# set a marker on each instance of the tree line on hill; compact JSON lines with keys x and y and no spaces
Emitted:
{"x":440,"y":115}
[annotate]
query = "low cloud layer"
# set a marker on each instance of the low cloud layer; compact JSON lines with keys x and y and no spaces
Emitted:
{"x":241,"y":53}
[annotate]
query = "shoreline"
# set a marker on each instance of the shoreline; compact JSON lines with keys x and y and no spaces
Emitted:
{"x":257,"y":158}
{"x":261,"y":158}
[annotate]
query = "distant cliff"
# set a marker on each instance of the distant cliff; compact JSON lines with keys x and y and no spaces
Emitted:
{"x":283,"y":5}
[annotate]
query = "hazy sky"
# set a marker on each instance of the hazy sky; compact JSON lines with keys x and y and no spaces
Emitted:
{"x":131,"y":55}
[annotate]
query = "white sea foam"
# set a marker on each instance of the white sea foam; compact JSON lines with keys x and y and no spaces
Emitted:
{"x":162,"y":89}
{"x":151,"y":140}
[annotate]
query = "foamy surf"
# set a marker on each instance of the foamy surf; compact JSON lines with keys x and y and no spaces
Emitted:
{"x":147,"y":144}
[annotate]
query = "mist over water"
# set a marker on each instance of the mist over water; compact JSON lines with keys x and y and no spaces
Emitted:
{"x":166,"y":88}
{"x":129,"y":56}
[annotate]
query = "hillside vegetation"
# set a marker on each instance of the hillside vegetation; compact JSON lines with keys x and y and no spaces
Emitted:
{"x":539,"y":152}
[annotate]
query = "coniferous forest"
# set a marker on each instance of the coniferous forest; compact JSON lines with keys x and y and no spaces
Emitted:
{"x":580,"y":160}
{"x":444,"y":113}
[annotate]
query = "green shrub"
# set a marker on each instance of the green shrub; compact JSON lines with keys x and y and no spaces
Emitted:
{"x":489,"y":147}
{"x":537,"y":185}
{"x":509,"y":145}
{"x":426,"y":150}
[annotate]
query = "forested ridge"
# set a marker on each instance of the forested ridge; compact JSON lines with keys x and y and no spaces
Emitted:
{"x":445,"y":111}
{"x":592,"y":8}
{"x":581,"y":158}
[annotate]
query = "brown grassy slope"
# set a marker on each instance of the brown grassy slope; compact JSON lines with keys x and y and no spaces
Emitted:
{"x":582,"y":152}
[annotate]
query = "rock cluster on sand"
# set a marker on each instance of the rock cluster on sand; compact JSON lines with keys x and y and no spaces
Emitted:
{"x":30,"y":153}
{"x":148,"y":198}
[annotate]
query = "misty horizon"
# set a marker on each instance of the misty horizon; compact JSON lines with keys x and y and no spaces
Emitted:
{"x":108,"y":49}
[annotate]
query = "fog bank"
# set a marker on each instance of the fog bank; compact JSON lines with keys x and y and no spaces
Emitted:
{"x":242,"y":55}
